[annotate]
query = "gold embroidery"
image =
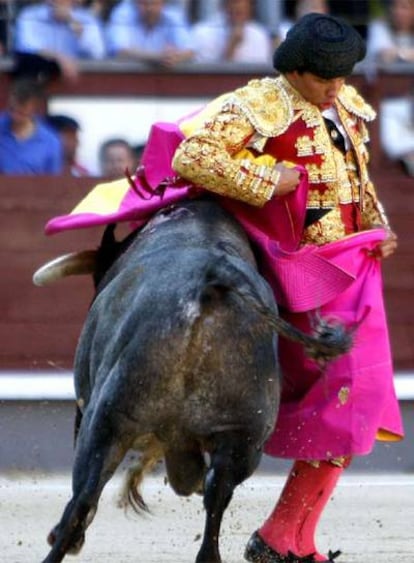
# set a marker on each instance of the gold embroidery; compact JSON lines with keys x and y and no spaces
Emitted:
{"x":266,"y":104}
{"x":373,"y":213}
{"x":266,"y":108}
{"x":327,"y":229}
{"x":343,"y":395}
{"x":322,"y":140}
{"x":212,"y":158}
{"x":304,"y":146}
{"x":355,"y":104}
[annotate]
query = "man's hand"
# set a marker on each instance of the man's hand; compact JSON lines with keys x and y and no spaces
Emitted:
{"x":288,"y":181}
{"x":387,"y":247}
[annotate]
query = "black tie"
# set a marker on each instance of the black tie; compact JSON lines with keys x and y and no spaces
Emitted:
{"x":336,"y":136}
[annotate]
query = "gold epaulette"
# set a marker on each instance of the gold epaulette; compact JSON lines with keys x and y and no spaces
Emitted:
{"x":355,"y":104}
{"x":266,"y":105}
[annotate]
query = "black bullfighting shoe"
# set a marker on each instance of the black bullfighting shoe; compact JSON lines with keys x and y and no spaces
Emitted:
{"x":257,"y":551}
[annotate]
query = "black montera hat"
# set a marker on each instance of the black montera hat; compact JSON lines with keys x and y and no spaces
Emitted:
{"x":323,"y":45}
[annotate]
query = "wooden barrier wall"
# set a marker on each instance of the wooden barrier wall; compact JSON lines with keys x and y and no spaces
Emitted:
{"x":39,"y":327}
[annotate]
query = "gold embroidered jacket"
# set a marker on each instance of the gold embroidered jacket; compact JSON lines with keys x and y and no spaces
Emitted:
{"x":232,"y":149}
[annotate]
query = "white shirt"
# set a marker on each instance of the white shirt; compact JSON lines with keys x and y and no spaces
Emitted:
{"x":382,"y":37}
{"x":37,"y":30}
{"x":397,"y":126}
{"x":210,"y":41}
{"x":332,"y":114}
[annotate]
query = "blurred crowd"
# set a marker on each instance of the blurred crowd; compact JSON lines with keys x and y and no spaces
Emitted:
{"x":169,"y":32}
{"x":46,"y":39}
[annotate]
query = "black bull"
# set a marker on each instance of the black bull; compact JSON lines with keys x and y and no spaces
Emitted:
{"x":178,"y":361}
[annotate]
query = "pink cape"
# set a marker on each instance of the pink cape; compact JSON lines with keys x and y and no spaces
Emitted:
{"x":322,"y":415}
{"x":339,"y":412}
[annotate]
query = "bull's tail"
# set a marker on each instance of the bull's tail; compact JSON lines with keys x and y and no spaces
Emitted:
{"x":131,"y":492}
{"x":329,"y":339}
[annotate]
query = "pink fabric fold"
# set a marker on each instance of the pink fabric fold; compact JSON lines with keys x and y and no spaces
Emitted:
{"x":339,"y":412}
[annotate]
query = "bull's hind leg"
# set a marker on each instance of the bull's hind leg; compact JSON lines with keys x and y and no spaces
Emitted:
{"x":100,"y":449}
{"x":233,"y":460}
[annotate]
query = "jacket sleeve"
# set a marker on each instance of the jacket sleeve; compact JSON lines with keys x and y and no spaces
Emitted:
{"x":216,"y":157}
{"x":373,"y":214}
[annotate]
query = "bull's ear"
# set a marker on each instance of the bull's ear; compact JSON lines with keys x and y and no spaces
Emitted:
{"x":73,"y":264}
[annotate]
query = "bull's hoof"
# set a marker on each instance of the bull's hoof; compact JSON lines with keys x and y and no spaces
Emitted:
{"x":51,"y":538}
{"x":74,"y":548}
{"x":77,"y":545}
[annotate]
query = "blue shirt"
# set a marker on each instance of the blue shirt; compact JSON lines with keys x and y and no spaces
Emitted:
{"x":125,"y":30}
{"x":39,"y":154}
{"x":37,"y":30}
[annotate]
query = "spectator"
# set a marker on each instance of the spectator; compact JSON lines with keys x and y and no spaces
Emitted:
{"x":295,"y":12}
{"x":397,"y":130}
{"x":143,"y":30}
{"x":68,"y":130}
{"x":392,"y":39}
{"x":237,"y":37}
{"x":61,"y":32}
{"x":178,"y":10}
{"x":116,"y":157}
{"x":27,"y":146}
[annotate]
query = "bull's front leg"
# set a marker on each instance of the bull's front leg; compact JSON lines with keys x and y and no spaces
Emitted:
{"x":69,"y":535}
{"x":100,"y":448}
{"x":232,"y":461}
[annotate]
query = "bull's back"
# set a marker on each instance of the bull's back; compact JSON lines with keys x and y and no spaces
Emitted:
{"x":177,"y":336}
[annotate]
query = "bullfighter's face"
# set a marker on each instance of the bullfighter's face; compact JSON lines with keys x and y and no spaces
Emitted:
{"x":319,"y":91}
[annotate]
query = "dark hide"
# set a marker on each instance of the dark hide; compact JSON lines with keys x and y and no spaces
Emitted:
{"x":177,"y":360}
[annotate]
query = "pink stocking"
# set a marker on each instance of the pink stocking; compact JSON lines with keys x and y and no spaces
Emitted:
{"x":292,"y":524}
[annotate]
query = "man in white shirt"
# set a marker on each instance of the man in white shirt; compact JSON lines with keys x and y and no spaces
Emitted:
{"x":235,"y":36}
{"x":145,"y":31}
{"x":60,"y":31}
{"x":397,"y":130}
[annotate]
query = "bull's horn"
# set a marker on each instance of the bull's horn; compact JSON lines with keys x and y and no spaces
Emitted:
{"x":75,"y":263}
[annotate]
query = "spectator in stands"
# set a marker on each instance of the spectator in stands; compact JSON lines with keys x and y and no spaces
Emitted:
{"x":68,"y":130}
{"x":179,"y":10}
{"x":61,"y":32}
{"x":116,"y":158}
{"x":295,"y":11}
{"x":236,"y":38}
{"x":143,"y":30}
{"x":397,"y":130}
{"x":27,"y":145}
{"x":391,"y":39}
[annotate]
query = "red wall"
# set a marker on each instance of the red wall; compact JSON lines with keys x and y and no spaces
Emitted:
{"x":39,"y":327}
